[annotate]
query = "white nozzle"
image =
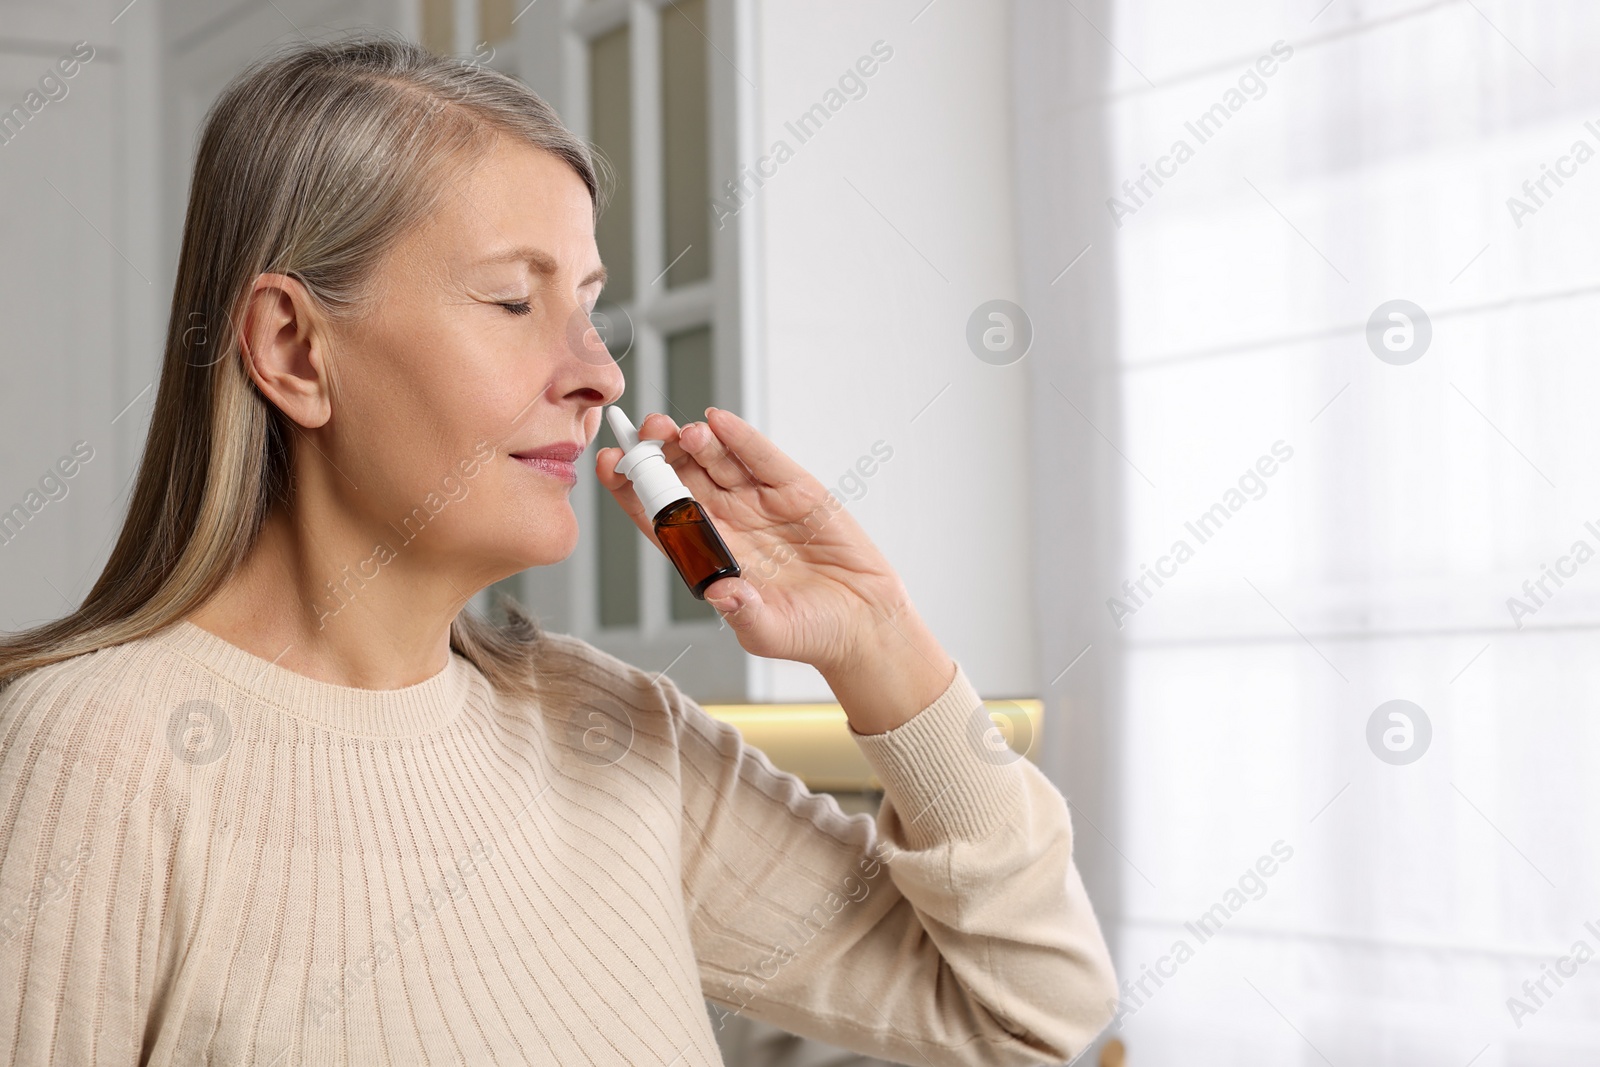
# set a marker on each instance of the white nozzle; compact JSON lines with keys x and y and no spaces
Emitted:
{"x":627,"y":436}
{"x":643,"y":464}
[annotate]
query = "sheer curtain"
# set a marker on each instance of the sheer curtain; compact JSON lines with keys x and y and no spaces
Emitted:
{"x":1313,"y":286}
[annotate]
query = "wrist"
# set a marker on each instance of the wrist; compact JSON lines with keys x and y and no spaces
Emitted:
{"x":897,"y":668}
{"x":886,"y":613}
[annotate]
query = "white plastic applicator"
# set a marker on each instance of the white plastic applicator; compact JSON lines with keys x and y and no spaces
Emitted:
{"x":644,"y":464}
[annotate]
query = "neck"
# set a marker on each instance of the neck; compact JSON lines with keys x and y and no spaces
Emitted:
{"x":340,"y":608}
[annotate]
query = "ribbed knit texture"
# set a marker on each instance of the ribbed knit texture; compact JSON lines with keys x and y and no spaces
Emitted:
{"x":208,"y":858}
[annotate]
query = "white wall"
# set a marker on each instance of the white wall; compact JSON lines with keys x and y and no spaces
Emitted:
{"x":876,"y":241}
{"x":83,"y":291}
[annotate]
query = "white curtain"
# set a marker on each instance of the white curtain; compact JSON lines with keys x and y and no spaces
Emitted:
{"x":1373,"y":502}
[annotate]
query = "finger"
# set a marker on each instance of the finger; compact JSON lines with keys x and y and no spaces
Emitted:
{"x":688,"y":468}
{"x":765,"y":461}
{"x":605,"y":469}
{"x":661,"y":427}
{"x":701,"y":442}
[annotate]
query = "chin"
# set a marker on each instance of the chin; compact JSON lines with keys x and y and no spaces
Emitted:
{"x":547,"y":545}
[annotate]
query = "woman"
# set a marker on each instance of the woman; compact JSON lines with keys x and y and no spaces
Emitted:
{"x":272,"y":796}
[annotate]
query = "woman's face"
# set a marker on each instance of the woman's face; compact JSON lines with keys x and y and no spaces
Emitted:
{"x":477,"y":350}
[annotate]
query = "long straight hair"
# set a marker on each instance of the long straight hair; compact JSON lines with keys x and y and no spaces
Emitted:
{"x":313,"y":162}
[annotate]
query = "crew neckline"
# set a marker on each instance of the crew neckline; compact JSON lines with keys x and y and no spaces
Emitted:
{"x":415,"y":709}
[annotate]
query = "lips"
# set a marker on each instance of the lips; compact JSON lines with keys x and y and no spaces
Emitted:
{"x":565,"y":452}
{"x":557,"y":460}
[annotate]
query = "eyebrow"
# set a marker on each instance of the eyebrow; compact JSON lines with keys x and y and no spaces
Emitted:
{"x":542,"y":262}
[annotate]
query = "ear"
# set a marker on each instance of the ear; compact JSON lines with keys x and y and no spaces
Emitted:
{"x":283,"y":343}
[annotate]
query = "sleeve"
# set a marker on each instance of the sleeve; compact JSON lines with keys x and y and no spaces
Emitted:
{"x":86,"y":832}
{"x":952,"y":929}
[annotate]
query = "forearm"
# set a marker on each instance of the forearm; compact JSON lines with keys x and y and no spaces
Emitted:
{"x":899,"y":669}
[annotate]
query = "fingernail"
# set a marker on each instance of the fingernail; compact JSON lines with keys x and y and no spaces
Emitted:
{"x":729,"y":604}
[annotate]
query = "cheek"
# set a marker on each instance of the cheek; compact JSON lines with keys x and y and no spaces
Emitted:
{"x":452,"y":401}
{"x":424,"y":396}
{"x":402,"y":430}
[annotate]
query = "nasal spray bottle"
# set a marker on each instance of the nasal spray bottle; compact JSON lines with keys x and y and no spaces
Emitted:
{"x":681,"y":524}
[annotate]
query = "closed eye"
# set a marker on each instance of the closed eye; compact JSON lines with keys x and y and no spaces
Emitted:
{"x":519,"y":307}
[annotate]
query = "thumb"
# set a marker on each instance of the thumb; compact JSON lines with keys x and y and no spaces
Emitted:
{"x":736,"y":599}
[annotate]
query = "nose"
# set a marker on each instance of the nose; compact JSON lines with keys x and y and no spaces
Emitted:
{"x":589,"y":373}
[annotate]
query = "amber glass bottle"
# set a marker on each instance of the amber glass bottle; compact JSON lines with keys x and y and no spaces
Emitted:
{"x":693,"y":545}
{"x":682,"y":527}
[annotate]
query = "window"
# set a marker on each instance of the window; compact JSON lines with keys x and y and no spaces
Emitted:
{"x":1235,"y":309}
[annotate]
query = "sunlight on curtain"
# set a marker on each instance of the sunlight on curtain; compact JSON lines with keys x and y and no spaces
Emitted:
{"x":1319,"y":522}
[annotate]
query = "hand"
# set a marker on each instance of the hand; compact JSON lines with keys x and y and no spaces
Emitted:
{"x":813,"y":587}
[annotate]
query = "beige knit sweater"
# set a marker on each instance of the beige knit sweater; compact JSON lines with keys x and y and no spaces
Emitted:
{"x":211,"y":859}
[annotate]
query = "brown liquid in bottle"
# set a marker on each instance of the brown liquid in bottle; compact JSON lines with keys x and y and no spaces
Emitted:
{"x":694,"y":546}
